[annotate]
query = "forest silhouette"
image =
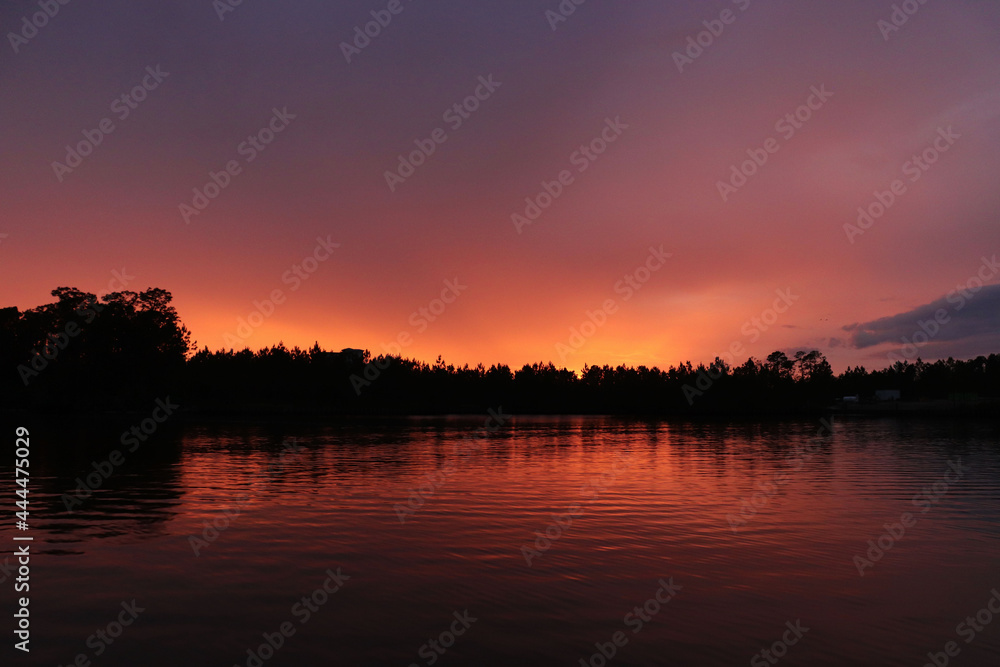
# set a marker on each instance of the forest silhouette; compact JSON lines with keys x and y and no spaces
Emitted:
{"x":125,"y":349}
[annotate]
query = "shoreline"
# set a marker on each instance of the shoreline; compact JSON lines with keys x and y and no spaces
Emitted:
{"x":980,"y":409}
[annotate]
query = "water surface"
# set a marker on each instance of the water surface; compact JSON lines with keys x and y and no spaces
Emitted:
{"x":629,"y":505}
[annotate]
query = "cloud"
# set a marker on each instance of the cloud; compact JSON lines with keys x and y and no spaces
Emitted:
{"x":960,"y":323}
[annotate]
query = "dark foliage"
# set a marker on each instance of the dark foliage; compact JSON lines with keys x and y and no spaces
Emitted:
{"x":122,"y":350}
{"x":83,"y":352}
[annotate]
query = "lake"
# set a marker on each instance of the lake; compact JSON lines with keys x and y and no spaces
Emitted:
{"x":541,"y":541}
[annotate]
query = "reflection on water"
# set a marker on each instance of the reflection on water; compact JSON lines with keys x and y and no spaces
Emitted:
{"x":757,"y":525}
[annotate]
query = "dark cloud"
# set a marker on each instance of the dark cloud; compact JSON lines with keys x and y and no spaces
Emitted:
{"x":961,"y":323}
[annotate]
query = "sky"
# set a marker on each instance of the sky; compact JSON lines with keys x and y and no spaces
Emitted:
{"x":621,"y":183}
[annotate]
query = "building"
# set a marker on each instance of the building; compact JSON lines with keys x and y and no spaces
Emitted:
{"x":352,"y":355}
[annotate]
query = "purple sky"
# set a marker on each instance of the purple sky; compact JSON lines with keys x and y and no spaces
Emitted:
{"x":527,"y":288}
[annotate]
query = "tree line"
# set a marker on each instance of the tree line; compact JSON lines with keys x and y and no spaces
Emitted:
{"x":125,"y":349}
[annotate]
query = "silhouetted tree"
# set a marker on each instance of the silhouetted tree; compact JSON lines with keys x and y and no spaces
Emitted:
{"x":125,"y":348}
{"x":119,"y":350}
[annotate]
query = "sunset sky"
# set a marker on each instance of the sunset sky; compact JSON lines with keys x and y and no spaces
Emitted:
{"x":607,"y":74}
